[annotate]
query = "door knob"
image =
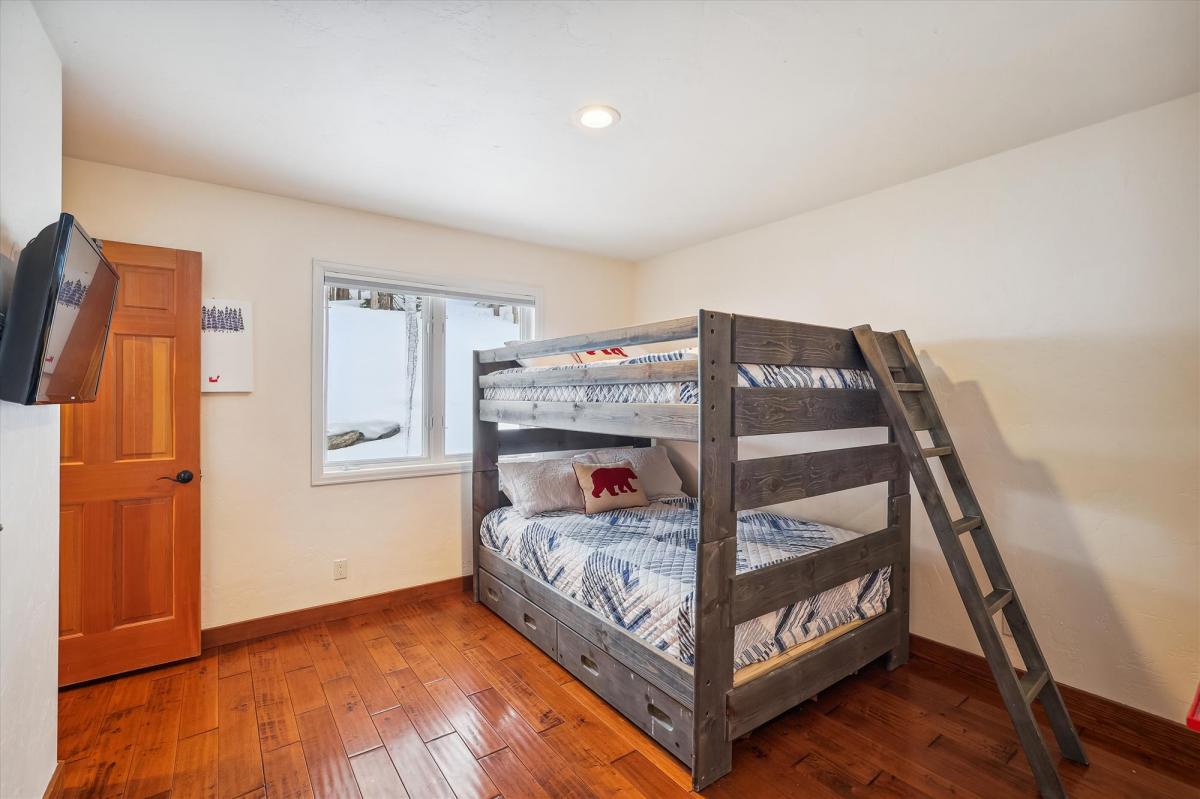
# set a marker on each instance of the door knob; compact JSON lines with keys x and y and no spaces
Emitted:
{"x":184,"y":477}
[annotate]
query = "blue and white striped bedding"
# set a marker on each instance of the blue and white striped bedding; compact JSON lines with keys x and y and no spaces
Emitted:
{"x":637,"y":568}
{"x":755,"y":375}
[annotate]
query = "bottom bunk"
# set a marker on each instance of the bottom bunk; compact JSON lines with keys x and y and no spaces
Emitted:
{"x":610,"y":598}
{"x":636,"y":568}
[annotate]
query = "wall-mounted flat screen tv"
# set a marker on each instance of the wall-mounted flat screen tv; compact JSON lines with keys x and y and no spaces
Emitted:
{"x":59,"y":313}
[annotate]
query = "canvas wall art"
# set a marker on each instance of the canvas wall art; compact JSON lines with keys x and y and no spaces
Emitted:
{"x":226,"y":346}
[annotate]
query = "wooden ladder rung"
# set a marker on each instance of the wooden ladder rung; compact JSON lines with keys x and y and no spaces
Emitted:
{"x":936,"y":452}
{"x":1032,"y":685}
{"x":966,"y":524}
{"x":910,"y":386}
{"x":997,"y":600}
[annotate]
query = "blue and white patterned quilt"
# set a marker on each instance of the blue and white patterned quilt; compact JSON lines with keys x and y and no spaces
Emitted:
{"x":754,"y":375}
{"x":637,"y":569}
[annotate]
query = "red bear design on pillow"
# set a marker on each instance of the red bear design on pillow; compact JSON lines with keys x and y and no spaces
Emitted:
{"x":607,"y":354}
{"x":614,"y":480}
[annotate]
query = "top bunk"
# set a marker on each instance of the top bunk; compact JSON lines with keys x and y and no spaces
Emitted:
{"x":792,"y":377}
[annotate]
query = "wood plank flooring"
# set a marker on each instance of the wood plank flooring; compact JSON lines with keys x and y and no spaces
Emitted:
{"x":442,"y":700}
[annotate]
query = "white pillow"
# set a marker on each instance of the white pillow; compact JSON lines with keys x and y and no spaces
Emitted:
{"x":535,"y":487}
{"x":658,"y":477}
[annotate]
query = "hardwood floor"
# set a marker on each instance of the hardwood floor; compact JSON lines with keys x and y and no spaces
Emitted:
{"x":442,"y":699}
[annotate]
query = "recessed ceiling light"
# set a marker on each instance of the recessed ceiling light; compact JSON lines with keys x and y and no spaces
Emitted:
{"x":597,"y":116}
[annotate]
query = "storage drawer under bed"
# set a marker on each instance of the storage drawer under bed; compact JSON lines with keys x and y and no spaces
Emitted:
{"x":659,"y":716}
{"x":522,"y":615}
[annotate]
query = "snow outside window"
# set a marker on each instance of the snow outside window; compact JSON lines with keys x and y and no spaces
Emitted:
{"x":394,"y":357}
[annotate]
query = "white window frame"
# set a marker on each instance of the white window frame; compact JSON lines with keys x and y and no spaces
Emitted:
{"x":435,"y":461}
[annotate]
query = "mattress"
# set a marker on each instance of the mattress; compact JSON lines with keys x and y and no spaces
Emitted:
{"x":754,"y":375}
{"x":636,"y":568}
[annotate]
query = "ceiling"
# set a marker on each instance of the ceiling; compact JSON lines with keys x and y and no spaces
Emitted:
{"x":735,"y":114}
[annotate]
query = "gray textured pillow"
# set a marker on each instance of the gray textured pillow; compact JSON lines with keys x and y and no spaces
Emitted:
{"x":535,"y":487}
{"x":658,"y":477}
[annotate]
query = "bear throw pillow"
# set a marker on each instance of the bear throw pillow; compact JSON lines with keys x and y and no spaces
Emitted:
{"x":609,"y":486}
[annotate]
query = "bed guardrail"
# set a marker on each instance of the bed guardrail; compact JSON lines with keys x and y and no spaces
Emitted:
{"x":773,"y":587}
{"x":783,"y":343}
{"x":768,"y":411}
{"x":671,"y":330}
{"x":785,"y":478}
{"x":648,"y":420}
{"x":756,"y":411}
{"x":755,"y":340}
{"x":662,"y":372}
{"x":529,"y":440}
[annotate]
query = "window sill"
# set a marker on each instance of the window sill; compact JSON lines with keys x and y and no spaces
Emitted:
{"x":364,"y":474}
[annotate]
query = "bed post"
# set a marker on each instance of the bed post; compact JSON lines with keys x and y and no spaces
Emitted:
{"x":716,"y":553}
{"x":899,"y":507}
{"x":485,"y":479}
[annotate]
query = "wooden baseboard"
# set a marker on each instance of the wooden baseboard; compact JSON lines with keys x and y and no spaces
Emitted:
{"x":53,"y":788}
{"x":294,"y":619}
{"x":1099,"y":720}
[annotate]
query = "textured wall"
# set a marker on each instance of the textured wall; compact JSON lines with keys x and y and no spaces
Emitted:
{"x":30,"y":191}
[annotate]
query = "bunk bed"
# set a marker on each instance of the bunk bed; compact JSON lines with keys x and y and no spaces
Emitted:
{"x":751,"y":377}
{"x":696,"y":711}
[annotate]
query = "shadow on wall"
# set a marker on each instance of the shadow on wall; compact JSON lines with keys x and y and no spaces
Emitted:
{"x":1054,"y":539}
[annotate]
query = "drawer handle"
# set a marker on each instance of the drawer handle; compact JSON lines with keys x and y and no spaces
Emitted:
{"x":529,"y":622}
{"x":493,"y":594}
{"x":660,"y":716}
{"x":590,"y":665}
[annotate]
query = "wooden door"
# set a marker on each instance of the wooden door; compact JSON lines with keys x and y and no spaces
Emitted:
{"x":129,"y":587}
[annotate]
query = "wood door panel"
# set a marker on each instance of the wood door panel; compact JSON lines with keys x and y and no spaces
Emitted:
{"x":146,"y":288}
{"x":130,"y":594}
{"x":70,"y":437}
{"x":144,"y":401}
{"x":70,"y":570}
{"x":143,"y":544}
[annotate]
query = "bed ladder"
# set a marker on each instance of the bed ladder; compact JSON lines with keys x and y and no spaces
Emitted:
{"x":1018,"y":693}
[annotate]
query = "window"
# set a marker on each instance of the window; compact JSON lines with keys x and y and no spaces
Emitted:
{"x":392,"y":369}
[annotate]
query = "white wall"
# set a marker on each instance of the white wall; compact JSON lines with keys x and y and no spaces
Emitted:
{"x":268,"y":536}
{"x":1052,"y":292}
{"x":30,"y":194}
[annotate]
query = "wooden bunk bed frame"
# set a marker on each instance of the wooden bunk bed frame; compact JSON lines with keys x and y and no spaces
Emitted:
{"x":696,"y":713}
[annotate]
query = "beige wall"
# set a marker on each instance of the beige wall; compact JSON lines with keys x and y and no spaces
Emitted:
{"x":269,"y":537}
{"x":30,"y":193}
{"x":1052,"y":292}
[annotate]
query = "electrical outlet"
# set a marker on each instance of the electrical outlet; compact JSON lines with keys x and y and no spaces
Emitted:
{"x":341,"y":568}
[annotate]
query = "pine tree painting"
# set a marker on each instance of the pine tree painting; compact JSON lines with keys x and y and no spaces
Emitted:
{"x":226,"y":346}
{"x":221,"y":320}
